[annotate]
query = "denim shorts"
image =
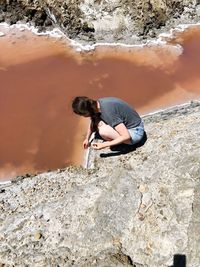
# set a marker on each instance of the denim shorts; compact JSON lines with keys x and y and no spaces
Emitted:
{"x":136,"y":133}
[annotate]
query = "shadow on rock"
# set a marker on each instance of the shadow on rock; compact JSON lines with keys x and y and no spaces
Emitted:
{"x":123,"y":148}
{"x":179,"y":261}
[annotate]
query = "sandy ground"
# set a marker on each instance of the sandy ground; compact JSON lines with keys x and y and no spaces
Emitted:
{"x":40,"y":76}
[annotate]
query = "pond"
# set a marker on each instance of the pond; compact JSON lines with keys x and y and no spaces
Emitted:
{"x":40,"y":75}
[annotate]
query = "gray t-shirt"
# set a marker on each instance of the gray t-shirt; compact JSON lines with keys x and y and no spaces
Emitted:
{"x":115,"y":111}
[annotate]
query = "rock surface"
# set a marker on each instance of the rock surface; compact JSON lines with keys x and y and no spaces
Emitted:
{"x":103,"y":21}
{"x":137,"y":209}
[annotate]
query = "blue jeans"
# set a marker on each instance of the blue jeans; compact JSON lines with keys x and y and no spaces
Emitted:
{"x":136,"y":133}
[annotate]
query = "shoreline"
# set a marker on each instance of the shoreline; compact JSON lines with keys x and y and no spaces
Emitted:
{"x":78,"y":47}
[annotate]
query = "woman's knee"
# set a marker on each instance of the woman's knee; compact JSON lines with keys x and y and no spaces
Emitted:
{"x":106,"y":131}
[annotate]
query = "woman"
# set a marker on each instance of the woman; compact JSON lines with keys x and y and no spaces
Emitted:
{"x":113,"y":118}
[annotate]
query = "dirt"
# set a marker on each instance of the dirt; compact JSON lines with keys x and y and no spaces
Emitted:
{"x":101,"y":21}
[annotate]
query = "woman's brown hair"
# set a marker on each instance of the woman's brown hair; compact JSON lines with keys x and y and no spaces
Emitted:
{"x":85,"y":106}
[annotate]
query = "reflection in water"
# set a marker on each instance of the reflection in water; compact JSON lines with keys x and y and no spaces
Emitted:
{"x":39,"y":131}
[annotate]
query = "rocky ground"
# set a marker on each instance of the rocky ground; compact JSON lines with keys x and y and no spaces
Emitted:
{"x":136,"y":209}
{"x":103,"y":21}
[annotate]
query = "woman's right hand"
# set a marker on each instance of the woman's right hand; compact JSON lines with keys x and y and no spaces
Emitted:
{"x":85,"y":144}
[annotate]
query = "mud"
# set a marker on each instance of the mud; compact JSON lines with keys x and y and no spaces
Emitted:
{"x":39,"y":76}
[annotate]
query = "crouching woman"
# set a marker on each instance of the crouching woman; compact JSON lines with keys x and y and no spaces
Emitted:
{"x":114,"y":119}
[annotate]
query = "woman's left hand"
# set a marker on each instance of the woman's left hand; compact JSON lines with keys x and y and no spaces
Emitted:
{"x":99,"y":146}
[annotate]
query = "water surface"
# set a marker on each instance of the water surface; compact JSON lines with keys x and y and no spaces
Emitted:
{"x":39,"y":77}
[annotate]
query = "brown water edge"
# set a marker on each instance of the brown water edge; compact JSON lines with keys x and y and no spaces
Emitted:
{"x":39,"y":77}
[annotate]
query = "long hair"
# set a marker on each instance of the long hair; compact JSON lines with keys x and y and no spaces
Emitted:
{"x":85,"y":106}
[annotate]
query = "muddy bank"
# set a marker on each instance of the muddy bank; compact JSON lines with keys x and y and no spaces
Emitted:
{"x":101,"y":21}
{"x":137,"y":209}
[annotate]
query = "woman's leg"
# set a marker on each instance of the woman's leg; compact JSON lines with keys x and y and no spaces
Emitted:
{"x":107,"y":132}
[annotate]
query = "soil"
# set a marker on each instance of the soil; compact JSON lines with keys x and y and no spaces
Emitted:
{"x":101,"y":21}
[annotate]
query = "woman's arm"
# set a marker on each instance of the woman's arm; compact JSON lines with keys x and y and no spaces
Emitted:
{"x":87,"y":138}
{"x":124,"y":137}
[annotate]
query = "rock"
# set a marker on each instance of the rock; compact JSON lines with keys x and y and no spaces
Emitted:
{"x":4,"y":6}
{"x":13,"y":20}
{"x":2,"y":18}
{"x":48,"y":22}
{"x":143,"y":188}
{"x":30,"y":12}
{"x":2,"y":190}
{"x":37,"y":235}
{"x":117,"y":213}
{"x":88,"y":28}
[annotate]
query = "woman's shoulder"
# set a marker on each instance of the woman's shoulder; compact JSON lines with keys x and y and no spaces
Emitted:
{"x":110,"y":99}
